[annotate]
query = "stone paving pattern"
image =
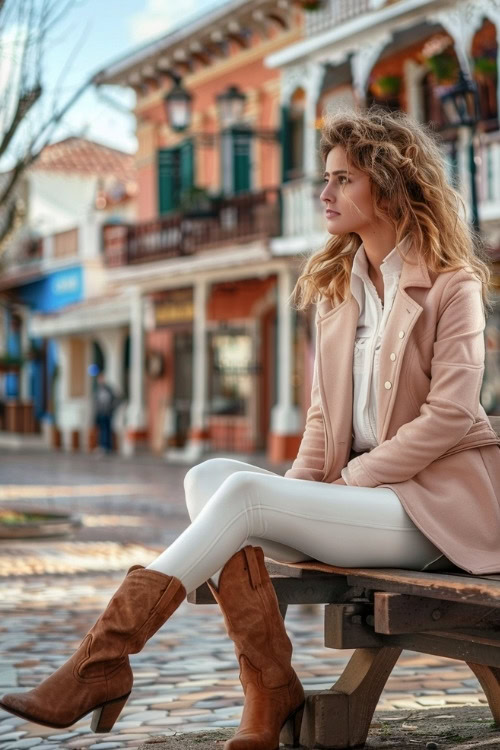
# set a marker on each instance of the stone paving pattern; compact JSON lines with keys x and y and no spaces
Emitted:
{"x":186,"y":678}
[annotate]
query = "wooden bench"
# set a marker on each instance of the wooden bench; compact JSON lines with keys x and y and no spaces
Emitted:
{"x":379,"y":612}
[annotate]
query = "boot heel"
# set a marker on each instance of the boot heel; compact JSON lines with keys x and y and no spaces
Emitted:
{"x":290,"y":732}
{"x":105,"y":716}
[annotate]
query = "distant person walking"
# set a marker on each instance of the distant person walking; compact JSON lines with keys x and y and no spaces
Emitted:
{"x":105,"y":403}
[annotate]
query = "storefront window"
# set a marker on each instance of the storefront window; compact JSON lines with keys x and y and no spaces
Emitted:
{"x":231,"y":372}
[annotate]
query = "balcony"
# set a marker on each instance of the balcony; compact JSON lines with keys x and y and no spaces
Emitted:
{"x":487,"y":176}
{"x":303,"y":218}
{"x":238,"y":219}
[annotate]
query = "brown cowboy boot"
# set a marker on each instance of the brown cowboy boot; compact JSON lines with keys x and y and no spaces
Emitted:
{"x":98,"y":676}
{"x":273,"y":692}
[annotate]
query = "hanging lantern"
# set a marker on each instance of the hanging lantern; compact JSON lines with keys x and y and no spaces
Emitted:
{"x":230,"y":105}
{"x":178,"y":107}
{"x":461,"y":102}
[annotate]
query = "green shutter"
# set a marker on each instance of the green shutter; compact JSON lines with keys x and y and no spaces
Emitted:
{"x":285,"y":143}
{"x":186,"y":166}
{"x":168,"y":180}
{"x":241,"y":159}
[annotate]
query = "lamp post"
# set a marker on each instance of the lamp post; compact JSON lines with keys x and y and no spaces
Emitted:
{"x":461,"y":109}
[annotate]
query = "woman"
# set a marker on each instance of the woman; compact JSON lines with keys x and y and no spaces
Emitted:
{"x":398,"y":465}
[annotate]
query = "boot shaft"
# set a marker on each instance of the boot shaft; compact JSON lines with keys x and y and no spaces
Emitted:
{"x":137,"y":609}
{"x":253,"y":621}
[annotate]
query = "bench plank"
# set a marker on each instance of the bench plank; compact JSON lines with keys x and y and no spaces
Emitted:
{"x":456,"y":588}
{"x":469,"y":589}
{"x":400,"y":613}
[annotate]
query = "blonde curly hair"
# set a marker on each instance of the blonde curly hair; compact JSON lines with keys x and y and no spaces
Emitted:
{"x":408,"y":177}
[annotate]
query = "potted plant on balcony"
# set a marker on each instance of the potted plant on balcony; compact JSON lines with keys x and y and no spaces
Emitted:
{"x":485,"y":66}
{"x":196,"y":202}
{"x":439,"y":57}
{"x":386,"y":86}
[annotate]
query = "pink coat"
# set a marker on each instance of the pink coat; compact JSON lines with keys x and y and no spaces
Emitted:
{"x":436,"y":448}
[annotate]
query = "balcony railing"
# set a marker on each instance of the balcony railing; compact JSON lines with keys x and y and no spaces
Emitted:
{"x":489,"y":171}
{"x":241,"y":218}
{"x":334,"y":12}
{"x":303,"y":213}
{"x":487,"y":175}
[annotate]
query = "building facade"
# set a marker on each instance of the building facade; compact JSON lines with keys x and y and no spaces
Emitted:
{"x":52,"y":268}
{"x":220,"y":342}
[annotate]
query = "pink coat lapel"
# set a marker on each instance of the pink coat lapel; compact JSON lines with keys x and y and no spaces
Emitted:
{"x":336,"y":329}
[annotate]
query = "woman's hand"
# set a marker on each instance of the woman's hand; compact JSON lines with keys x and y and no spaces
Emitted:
{"x":339,"y":481}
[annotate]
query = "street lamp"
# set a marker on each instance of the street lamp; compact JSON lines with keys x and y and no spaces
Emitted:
{"x":230,"y":105}
{"x":178,"y":107}
{"x":461,"y":109}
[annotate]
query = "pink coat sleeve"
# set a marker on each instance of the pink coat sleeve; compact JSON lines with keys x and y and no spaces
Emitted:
{"x":450,"y":408}
{"x":310,"y":461}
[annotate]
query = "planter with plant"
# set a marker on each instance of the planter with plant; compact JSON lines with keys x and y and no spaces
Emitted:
{"x":35,"y":523}
{"x":196,"y":201}
{"x":485,"y":67}
{"x":439,"y":56}
{"x":386,"y":86}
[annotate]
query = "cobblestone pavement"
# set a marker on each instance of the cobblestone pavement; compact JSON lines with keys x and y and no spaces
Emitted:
{"x":186,"y":678}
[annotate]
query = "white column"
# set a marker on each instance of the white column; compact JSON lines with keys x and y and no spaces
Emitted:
{"x":413,"y":74}
{"x":135,"y":413}
{"x":87,"y":421}
{"x":112,"y":342}
{"x":197,"y":443}
{"x":313,"y":82}
{"x":24,"y":376}
{"x":62,"y":395}
{"x":285,"y":416}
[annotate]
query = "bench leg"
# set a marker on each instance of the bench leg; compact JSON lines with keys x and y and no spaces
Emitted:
{"x":340,"y":717}
{"x":489,"y":677}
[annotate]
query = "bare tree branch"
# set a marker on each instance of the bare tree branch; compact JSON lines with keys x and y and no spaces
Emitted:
{"x":24,"y":28}
{"x":24,"y":104}
{"x":10,"y":220}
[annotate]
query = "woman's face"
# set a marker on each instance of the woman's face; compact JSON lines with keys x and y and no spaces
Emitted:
{"x":347,"y":198}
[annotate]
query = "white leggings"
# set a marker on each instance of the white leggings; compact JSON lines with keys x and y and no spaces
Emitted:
{"x":232,"y":504}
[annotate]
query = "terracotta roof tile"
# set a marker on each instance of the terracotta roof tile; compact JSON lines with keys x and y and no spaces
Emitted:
{"x":81,"y":156}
